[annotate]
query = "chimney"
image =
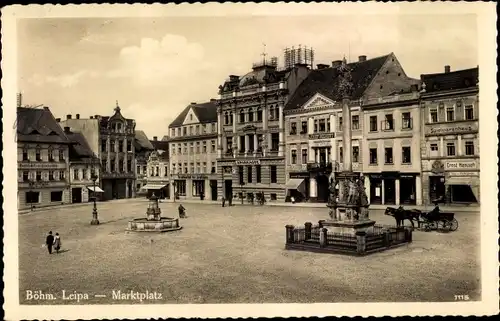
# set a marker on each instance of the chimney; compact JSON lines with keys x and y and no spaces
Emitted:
{"x":362,"y":58}
{"x":77,"y":116}
{"x":233,"y":78}
{"x":58,"y":120}
{"x":447,"y":69}
{"x":96,"y":116}
{"x":336,"y":63}
{"x":155,"y":138}
{"x":322,"y":66}
{"x":19,"y":100}
{"x":193,"y":103}
{"x":45,"y":108}
{"x":68,"y":116}
{"x":66,"y":130}
{"x":212,"y":100}
{"x":91,"y":117}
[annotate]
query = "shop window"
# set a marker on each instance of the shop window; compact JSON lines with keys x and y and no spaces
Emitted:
{"x":294,"y":156}
{"x":304,"y":156}
{"x":355,"y":154}
{"x":406,"y":157}
{"x":273,"y":196}
{"x":388,"y":155}
{"x":32,"y":197}
{"x":450,"y":113}
{"x":56,"y":196}
{"x":433,"y":115}
{"x":249,"y":174}
{"x":180,"y":188}
{"x":373,"y":156}
{"x":469,"y":112}
{"x":293,"y":128}
{"x":469,"y":148}
{"x":258,"y":173}
{"x":355,"y":122}
{"x":373,"y":123}
{"x":450,"y":149}
{"x":304,"y":128}
{"x":274,"y":174}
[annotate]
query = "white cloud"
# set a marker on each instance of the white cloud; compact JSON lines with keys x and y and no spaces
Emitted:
{"x":65,"y":80}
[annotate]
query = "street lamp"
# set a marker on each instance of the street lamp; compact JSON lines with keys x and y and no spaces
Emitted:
{"x":95,"y":220}
{"x":174,"y":183}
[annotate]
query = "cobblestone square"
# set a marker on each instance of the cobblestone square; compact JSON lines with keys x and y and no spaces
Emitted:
{"x":235,"y":255}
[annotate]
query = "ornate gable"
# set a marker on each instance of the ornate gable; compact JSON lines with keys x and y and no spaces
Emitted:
{"x":191,"y":118}
{"x":318,"y":101}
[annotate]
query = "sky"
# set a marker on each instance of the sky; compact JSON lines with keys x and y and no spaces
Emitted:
{"x":155,"y":67}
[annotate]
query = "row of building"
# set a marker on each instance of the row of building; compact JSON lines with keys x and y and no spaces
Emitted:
{"x":272,"y":131}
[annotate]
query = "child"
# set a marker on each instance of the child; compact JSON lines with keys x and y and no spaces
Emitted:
{"x":57,"y":243}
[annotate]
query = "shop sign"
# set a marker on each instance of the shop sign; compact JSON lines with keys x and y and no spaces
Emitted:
{"x":192,"y":176}
{"x":471,"y":174}
{"x":450,"y":166}
{"x":443,"y":129}
{"x":299,"y":175}
{"x":33,"y":165}
{"x":321,"y":136}
{"x":318,"y":143}
{"x":248,"y":162}
{"x":406,"y":176}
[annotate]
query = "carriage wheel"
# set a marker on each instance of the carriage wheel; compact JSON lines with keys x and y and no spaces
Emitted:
{"x":427,"y":227}
{"x":453,"y":225}
{"x":434,"y":225}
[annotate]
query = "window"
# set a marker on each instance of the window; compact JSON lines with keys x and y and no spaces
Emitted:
{"x":273,"y":196}
{"x":120,"y":146}
{"x":355,"y":154}
{"x":179,"y":149}
{"x":434,"y":115}
{"x":434,"y":150}
{"x":197,"y":147}
{"x":204,"y":129}
{"x":103,"y":145}
{"x":25,"y":155}
{"x":180,"y":188}
{"x":197,"y":129}
{"x":240,"y":174}
{"x":274,"y":141}
{"x":341,"y":154}
{"x":249,"y":174}
{"x":469,"y":112}
{"x":190,"y":116}
{"x":294,"y":156}
{"x":242,"y":116}
{"x":38,"y":157}
{"x":406,"y":120}
{"x":75,"y":175}
{"x":129,"y":166}
{"x":250,"y":115}
{"x":26,"y":176}
{"x":129,"y":146}
{"x":112,"y":146}
{"x":213,"y":146}
{"x":190,"y":130}
{"x":56,"y":196}
{"x":204,"y":147}
{"x":450,"y":149}
{"x":328,"y":125}
{"x":204,"y":169}
{"x":373,"y":156}
{"x":304,"y":156}
{"x":469,"y":148}
{"x":198,"y":167}
{"x":191,"y":169}
{"x":315,"y":125}
{"x":174,"y":170}
{"x":340,"y":123}
{"x":258,"y":173}
{"x":185,"y":148}
{"x":259,"y":114}
{"x":322,"y":125}
{"x":173,"y":149}
{"x":304,"y":127}
{"x":373,"y":123}
{"x":213,"y":128}
{"x":355,"y":122}
{"x":388,"y":122}
{"x":388,"y":155}
{"x":51,"y":175}
{"x":450,"y":113}
{"x":61,"y":155}
{"x":274,"y":174}
{"x":51,"y":155}
{"x":191,"y":148}
{"x":32,"y":197}
{"x":293,"y":128}
{"x":112,"y":165}
{"x":406,"y":157}
{"x":184,"y":132}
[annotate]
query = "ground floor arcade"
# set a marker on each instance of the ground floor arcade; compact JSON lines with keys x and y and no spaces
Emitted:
{"x":393,"y":188}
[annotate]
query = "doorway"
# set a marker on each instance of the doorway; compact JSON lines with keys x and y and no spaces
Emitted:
{"x":407,"y":192}
{"x":213,"y":187}
{"x":76,"y":195}
{"x":228,"y":189}
{"x":437,"y":189}
{"x":375,"y":190}
{"x":390,"y":191}
{"x":323,"y":185}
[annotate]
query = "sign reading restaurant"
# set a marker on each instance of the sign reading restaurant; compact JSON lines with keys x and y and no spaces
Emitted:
{"x":442,"y":129}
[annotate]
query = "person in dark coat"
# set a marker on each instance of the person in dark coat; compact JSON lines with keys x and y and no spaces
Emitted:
{"x":223,"y":201}
{"x":49,"y":241}
{"x":182,"y":211}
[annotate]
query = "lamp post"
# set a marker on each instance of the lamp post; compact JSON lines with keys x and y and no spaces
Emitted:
{"x":95,"y":220}
{"x":174,"y":183}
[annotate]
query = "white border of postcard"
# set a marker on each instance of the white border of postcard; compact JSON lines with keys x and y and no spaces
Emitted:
{"x":488,"y":139}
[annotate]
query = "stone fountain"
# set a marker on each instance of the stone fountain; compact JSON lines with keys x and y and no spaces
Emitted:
{"x":348,"y":208}
{"x":153,"y":221}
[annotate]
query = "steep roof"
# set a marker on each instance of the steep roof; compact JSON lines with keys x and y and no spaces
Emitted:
{"x":325,"y":82}
{"x":205,"y":112}
{"x":80,"y":150}
{"x":39,"y":125}
{"x":460,"y":79}
{"x":142,"y":141}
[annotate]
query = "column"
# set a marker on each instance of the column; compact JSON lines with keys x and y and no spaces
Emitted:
{"x":247,"y":143}
{"x":311,"y":155}
{"x":418,"y":189}
{"x":367,"y":188}
{"x":219,"y":134}
{"x":281,"y":148}
{"x":396,"y":190}
{"x":459,"y":148}
{"x":255,"y":144}
{"x":332,"y":124}
{"x":207,"y":191}
{"x":382,"y":192}
{"x":347,"y":135}
{"x":333,"y":151}
{"x":441,"y":146}
{"x":313,"y":188}
{"x":269,"y":141}
{"x":310,"y":126}
{"x":108,"y":148}
{"x":238,"y":140}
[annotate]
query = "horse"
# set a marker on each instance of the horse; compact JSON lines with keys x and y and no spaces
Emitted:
{"x":400,"y":214}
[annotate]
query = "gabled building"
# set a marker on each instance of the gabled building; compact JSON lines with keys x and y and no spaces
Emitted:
{"x":143,"y":149}
{"x":450,"y":145}
{"x":42,"y":159}
{"x":314,"y":121}
{"x":251,"y":132}
{"x":158,"y":180}
{"x":193,"y":152}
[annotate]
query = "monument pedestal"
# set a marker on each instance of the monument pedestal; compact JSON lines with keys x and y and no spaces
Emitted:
{"x":349,"y":227}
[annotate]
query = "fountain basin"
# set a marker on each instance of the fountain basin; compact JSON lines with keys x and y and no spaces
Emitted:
{"x":164,"y":224}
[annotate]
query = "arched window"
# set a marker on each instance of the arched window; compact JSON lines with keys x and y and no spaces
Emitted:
{"x":250,"y":115}
{"x":231,"y":118}
{"x":51,"y":154}
{"x":226,"y":118}
{"x":259,"y":114}
{"x":242,"y":116}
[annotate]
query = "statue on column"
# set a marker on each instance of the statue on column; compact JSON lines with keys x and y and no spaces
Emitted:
{"x":352,"y":192}
{"x":332,"y":199}
{"x":363,"y":198}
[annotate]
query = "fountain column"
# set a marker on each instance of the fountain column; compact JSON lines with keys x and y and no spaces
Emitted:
{"x":346,"y":135}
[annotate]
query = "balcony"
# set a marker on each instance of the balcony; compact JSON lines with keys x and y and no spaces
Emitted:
{"x":319,"y":167}
{"x":407,"y":124}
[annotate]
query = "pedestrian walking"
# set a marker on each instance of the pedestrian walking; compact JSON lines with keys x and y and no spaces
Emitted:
{"x":57,"y":243}
{"x":223,"y":201}
{"x":182,"y":211}
{"x":49,"y":241}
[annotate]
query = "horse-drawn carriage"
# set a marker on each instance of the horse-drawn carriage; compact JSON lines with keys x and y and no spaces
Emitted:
{"x":433,"y":220}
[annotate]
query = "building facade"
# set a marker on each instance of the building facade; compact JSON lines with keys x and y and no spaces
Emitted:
{"x":193,"y":152}
{"x":43,"y":159}
{"x":158,"y":172}
{"x":251,"y":131}
{"x":143,"y":149}
{"x":111,"y":138}
{"x":315,"y":122}
{"x":391,"y":149}
{"x":450,"y":144}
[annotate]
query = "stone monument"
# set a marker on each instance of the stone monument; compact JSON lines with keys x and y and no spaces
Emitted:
{"x":348,"y":208}
{"x":154,"y":222}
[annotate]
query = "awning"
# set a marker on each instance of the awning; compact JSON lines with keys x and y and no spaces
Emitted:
{"x":297,"y":184}
{"x":97,"y":189}
{"x":153,"y":186}
{"x":461,"y":180}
